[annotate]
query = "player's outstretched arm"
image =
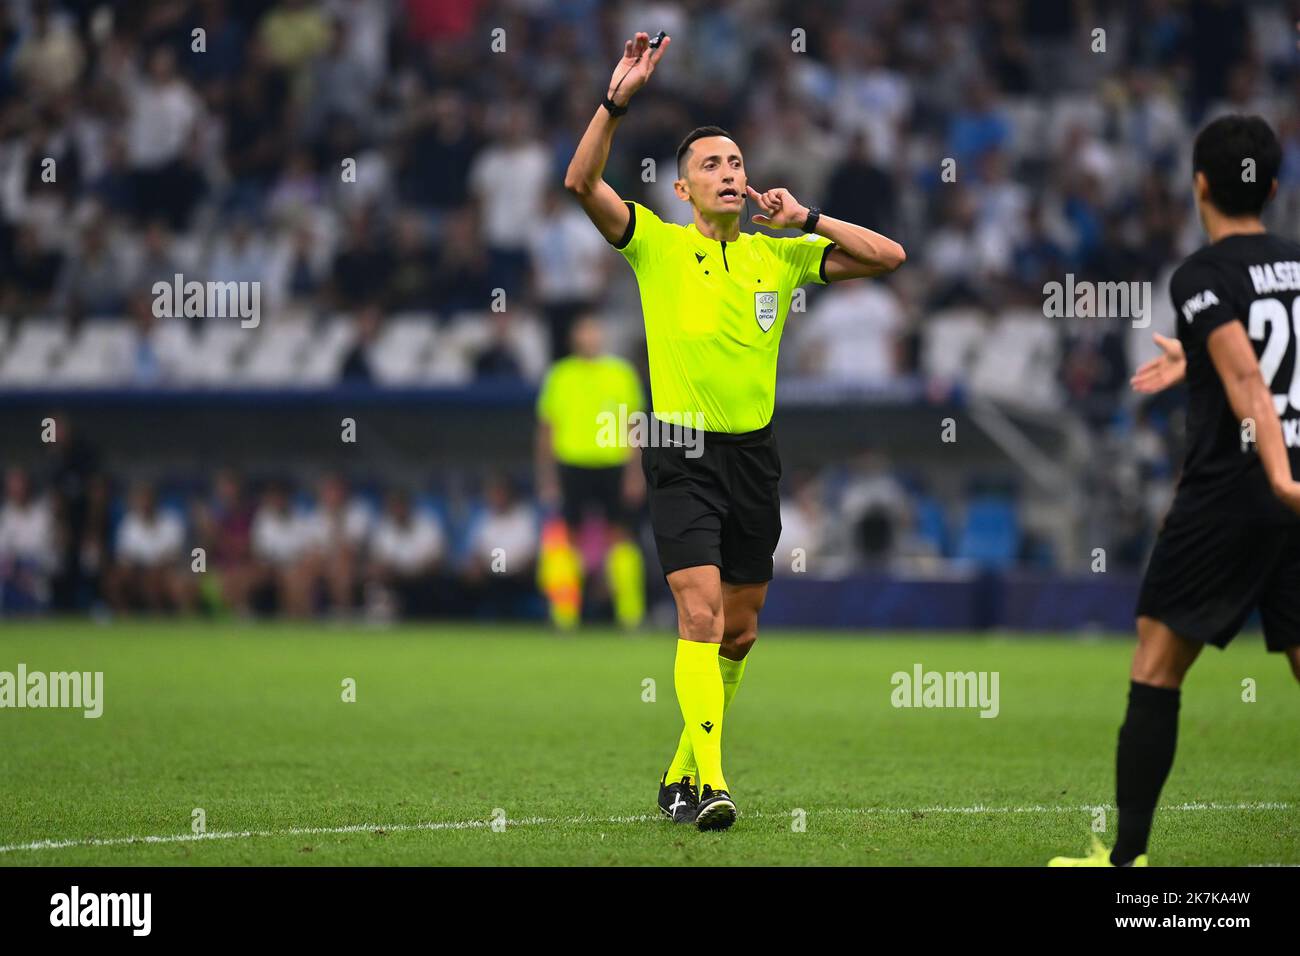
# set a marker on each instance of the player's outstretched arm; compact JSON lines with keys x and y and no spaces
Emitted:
{"x":1166,"y":369}
{"x":1234,"y":359}
{"x":583,"y":178}
{"x":859,"y":253}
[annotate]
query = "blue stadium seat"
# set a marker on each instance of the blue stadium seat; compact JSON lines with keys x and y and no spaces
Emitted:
{"x":991,"y":534}
{"x":932,"y":523}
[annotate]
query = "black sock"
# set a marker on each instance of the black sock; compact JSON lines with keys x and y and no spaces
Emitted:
{"x":1142,"y":762}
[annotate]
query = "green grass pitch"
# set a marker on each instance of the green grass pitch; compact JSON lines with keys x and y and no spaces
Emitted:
{"x":248,"y":724}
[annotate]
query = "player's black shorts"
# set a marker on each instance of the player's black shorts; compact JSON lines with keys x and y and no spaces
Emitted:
{"x":719,"y":508}
{"x":587,"y":490}
{"x":1209,"y":571}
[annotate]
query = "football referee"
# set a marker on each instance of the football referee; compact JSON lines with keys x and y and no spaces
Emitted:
{"x":715,"y":302}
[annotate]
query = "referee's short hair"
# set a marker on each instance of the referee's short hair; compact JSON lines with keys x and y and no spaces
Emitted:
{"x":1221,"y":151}
{"x":698,"y":133}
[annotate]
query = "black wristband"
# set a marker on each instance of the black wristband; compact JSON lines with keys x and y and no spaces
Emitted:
{"x":614,"y":108}
{"x":810,"y":223}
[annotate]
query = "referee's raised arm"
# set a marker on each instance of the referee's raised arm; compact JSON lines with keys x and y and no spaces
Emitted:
{"x":583,"y":178}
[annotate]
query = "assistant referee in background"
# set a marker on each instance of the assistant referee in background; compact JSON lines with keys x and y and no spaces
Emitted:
{"x":715,"y":302}
{"x":583,"y":469}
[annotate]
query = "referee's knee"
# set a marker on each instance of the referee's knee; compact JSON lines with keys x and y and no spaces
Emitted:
{"x":701,"y":621}
{"x":737,"y":645}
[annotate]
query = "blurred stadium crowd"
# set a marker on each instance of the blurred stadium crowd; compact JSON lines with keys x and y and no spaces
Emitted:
{"x":67,"y":542}
{"x":380,"y":169}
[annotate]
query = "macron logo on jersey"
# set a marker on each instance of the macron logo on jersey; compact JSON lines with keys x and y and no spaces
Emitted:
{"x":1198,"y":303}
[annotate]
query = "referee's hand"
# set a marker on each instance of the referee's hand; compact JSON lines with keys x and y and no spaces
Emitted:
{"x":632,"y":72}
{"x":782,"y":209}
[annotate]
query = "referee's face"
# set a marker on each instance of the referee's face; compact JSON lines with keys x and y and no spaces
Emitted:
{"x":714,"y":178}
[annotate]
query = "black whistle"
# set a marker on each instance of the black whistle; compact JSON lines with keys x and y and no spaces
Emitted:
{"x":657,"y":39}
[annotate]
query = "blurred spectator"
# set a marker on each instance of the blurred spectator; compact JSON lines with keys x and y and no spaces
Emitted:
{"x":508,"y":179}
{"x":297,"y":191}
{"x":305,"y":267}
{"x":79,"y":493}
{"x":407,"y":550}
{"x":150,"y":563}
{"x":870,"y":98}
{"x":1038,"y":258}
{"x":978,"y":127}
{"x":570,"y":265}
{"x":224,"y":39}
{"x":501,"y":566}
{"x":278,"y":546}
{"x":332,"y":536}
{"x":28,"y":547}
{"x":93,"y":281}
{"x":32,"y":273}
{"x":873,"y":506}
{"x":410,"y":283}
{"x":239,"y":255}
{"x":463,"y":278}
{"x":294,"y":32}
{"x":802,"y":548}
{"x":254,"y":137}
{"x":959,"y":255}
{"x":861,"y":191}
{"x":1001,"y":202}
{"x":156,"y":261}
{"x":163,"y":114}
{"x":47,"y":173}
{"x":363,"y":266}
{"x":112,"y":187}
{"x":225,"y":526}
{"x":340,"y":86}
{"x":439,"y":148}
{"x":48,"y":60}
{"x":797,"y":154}
{"x":499,"y":358}
{"x":852,"y":334}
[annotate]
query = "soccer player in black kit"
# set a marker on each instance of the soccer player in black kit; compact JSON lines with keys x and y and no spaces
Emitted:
{"x":1231,"y":541}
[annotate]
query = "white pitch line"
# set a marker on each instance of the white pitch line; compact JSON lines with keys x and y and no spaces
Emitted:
{"x":544,"y":821}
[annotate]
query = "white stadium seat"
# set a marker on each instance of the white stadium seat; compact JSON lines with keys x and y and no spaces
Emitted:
{"x":32,"y":350}
{"x":404,"y":348}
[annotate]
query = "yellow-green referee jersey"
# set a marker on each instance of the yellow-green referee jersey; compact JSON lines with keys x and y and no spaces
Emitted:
{"x":580,"y":400}
{"x":714,"y":313}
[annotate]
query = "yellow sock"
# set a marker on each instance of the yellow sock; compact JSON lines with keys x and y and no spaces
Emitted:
{"x":625,"y":571}
{"x":683,"y":764}
{"x":700,"y":695}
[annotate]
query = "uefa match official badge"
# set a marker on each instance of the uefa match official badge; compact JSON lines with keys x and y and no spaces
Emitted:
{"x":765,"y":309}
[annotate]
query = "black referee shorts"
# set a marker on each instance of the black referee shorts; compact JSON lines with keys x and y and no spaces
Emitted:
{"x":1208,"y":572}
{"x":721,"y":508}
{"x":587,"y":490}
